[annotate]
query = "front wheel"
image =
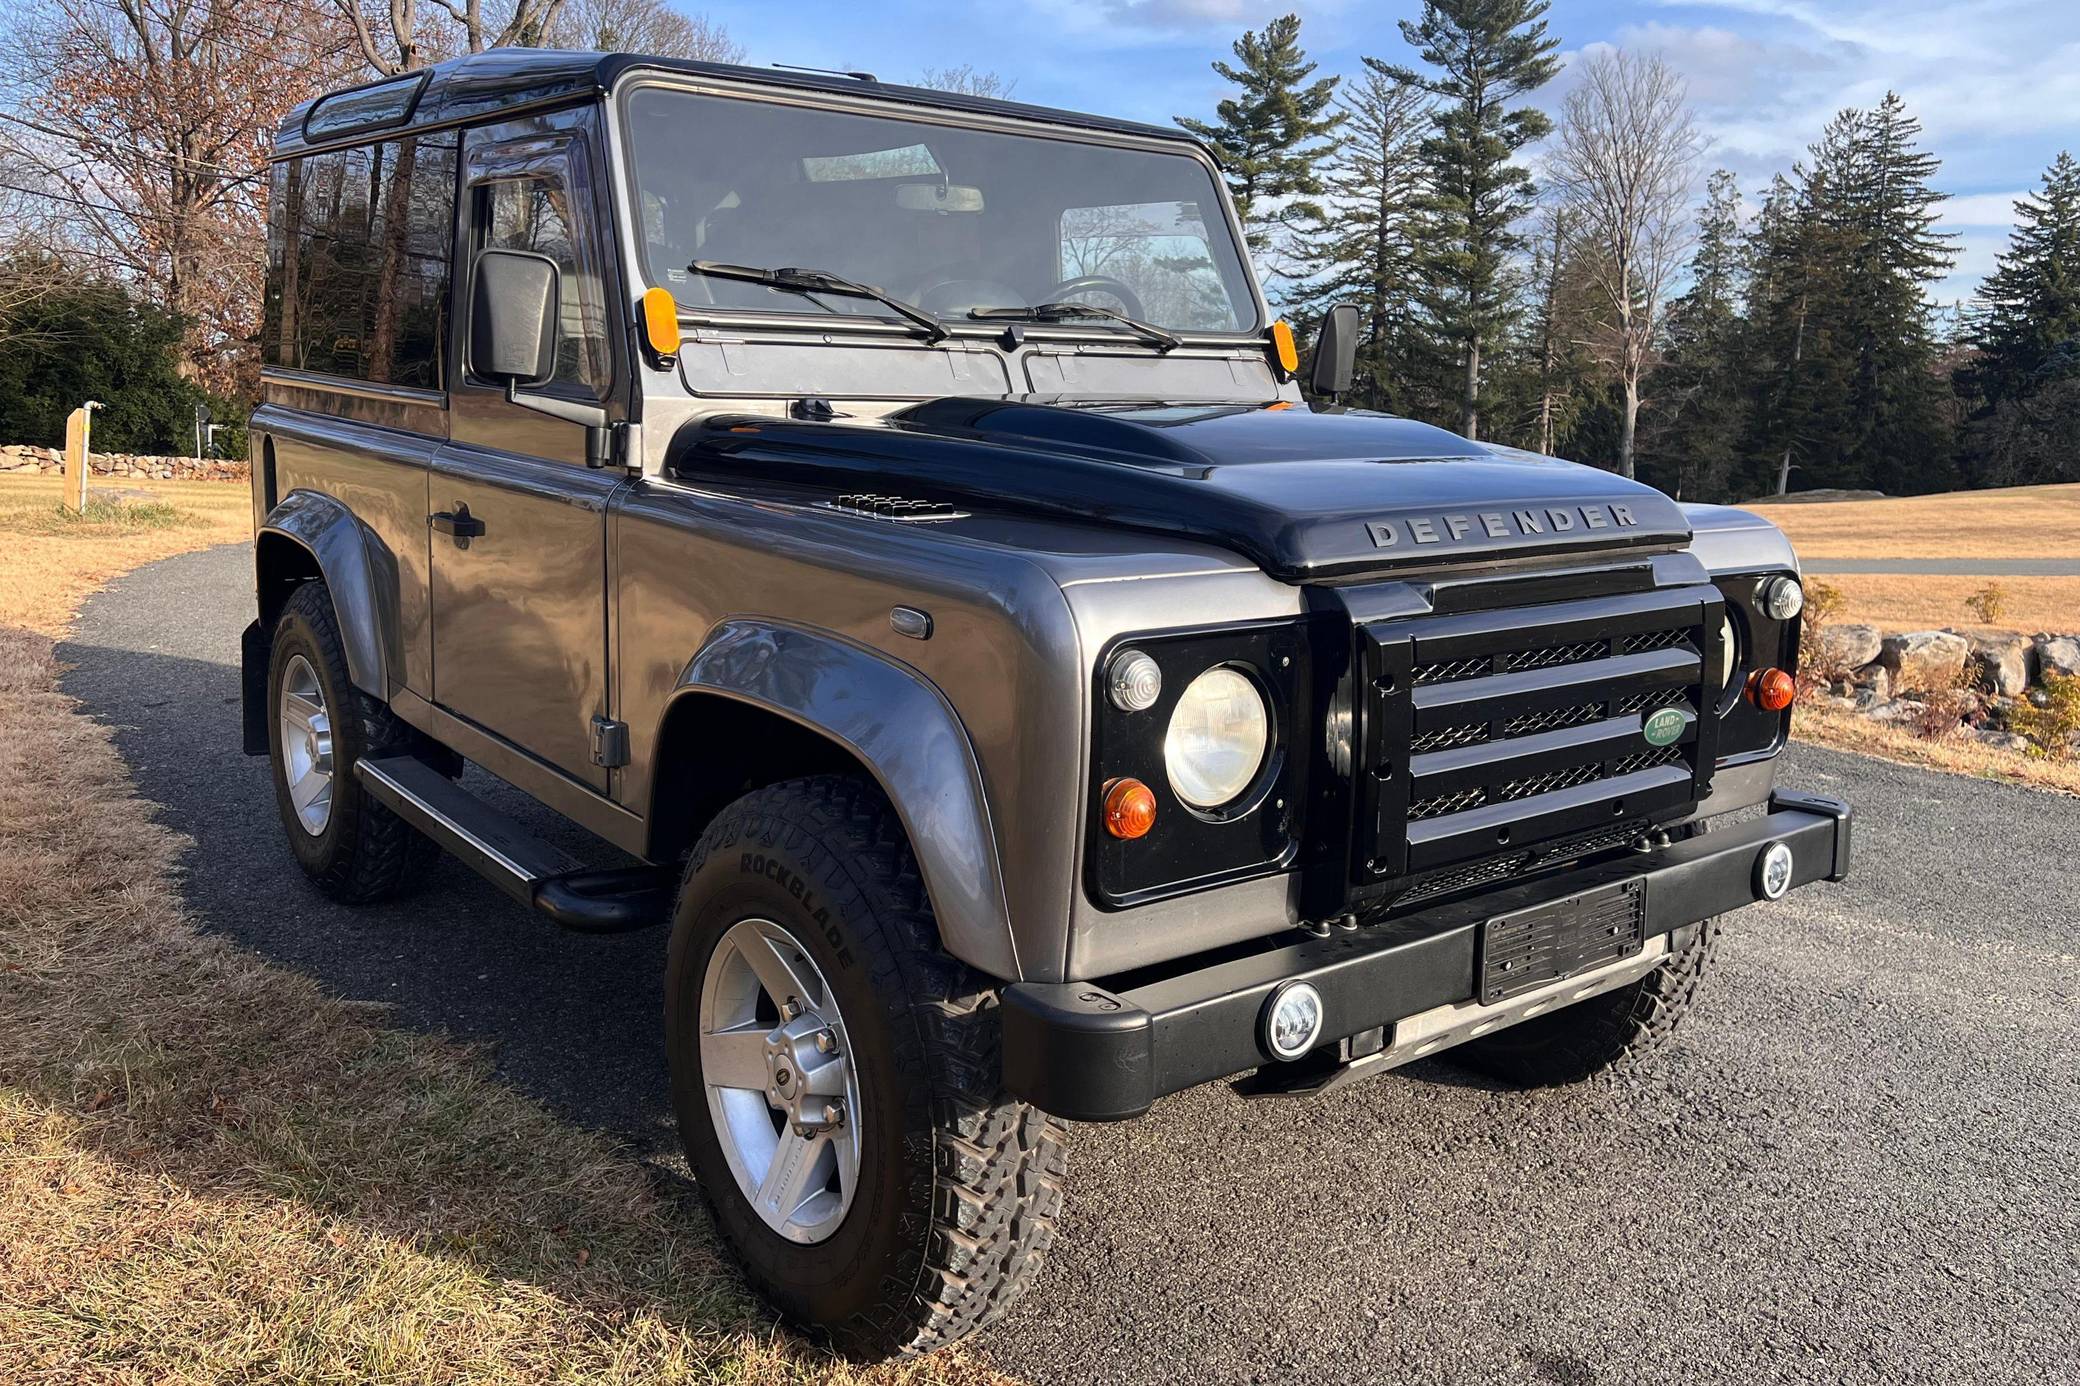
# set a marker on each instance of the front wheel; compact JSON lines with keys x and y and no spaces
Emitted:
{"x":837,"y":1083}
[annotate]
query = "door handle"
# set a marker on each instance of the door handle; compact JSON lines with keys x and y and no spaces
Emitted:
{"x":458,"y":523}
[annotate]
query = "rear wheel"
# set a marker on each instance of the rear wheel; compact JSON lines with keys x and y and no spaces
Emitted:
{"x":1605,"y":1032}
{"x":837,"y":1082}
{"x":319,"y":725}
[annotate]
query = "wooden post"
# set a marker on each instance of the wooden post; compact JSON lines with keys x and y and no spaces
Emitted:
{"x":78,"y":431}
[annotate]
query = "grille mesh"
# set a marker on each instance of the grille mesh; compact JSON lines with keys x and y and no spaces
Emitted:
{"x":1438,"y":805}
{"x":1553,"y":719}
{"x":1550,"y":781}
{"x":1446,"y":671}
{"x":1554,"y":656}
{"x":1444,"y":738}
{"x":1646,"y":641}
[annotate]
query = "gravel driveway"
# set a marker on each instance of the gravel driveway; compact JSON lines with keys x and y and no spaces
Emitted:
{"x":1861,"y":1162}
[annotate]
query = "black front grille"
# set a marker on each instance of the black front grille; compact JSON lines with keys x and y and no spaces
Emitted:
{"x":1488,"y":734}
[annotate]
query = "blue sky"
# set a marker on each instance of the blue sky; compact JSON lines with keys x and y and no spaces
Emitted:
{"x":1995,"y":82}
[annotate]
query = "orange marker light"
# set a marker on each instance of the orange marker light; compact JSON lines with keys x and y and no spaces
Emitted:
{"x":1283,"y":349}
{"x":1772,"y":690}
{"x":661,"y":324}
{"x":1130,"y":809}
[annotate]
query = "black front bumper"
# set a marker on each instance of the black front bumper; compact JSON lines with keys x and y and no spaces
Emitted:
{"x":1089,"y":1053}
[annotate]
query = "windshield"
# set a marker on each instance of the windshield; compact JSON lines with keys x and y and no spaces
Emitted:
{"x":950,"y":219}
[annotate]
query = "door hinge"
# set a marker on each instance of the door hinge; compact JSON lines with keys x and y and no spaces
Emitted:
{"x":609,"y":743}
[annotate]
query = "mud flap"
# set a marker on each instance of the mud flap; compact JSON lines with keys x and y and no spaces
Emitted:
{"x":254,"y":647}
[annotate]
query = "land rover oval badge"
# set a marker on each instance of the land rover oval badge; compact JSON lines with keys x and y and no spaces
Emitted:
{"x":1663,"y":727}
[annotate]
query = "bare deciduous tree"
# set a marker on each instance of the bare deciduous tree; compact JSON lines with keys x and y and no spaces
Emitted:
{"x":643,"y":26}
{"x":398,"y":35}
{"x":1623,"y":167}
{"x":143,"y":126}
{"x":966,"y":80}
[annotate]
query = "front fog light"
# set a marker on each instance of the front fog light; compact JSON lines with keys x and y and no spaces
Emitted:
{"x":1773,"y":872}
{"x":1292,"y":1020}
{"x":1782,"y":598}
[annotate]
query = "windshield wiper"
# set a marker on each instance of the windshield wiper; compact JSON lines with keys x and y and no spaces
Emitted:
{"x":808,"y":281}
{"x":1063,"y":312}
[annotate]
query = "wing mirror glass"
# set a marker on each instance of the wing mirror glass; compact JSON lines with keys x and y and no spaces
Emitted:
{"x":1335,"y":352}
{"x":514,"y":317}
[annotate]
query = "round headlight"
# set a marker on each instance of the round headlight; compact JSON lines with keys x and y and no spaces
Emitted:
{"x":1134,"y":681}
{"x":1723,"y":662}
{"x":1782,"y":598}
{"x":1218,"y":734}
{"x":1773,"y":871}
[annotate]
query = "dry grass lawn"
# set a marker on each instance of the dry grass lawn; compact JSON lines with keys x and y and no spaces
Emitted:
{"x":2018,"y":522}
{"x":50,"y":560}
{"x":211,"y":1171}
{"x":1898,"y":602}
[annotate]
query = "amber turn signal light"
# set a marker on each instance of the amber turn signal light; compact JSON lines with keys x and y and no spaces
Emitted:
{"x":1130,"y":808}
{"x":1283,"y":348}
{"x":1772,"y":690}
{"x":661,"y":325}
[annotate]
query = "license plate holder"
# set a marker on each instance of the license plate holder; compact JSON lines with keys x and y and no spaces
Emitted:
{"x":1548,"y":943}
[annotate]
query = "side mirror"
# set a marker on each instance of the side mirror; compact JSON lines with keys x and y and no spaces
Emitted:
{"x":515,"y":320}
{"x":514,"y":317}
{"x":1335,"y":352}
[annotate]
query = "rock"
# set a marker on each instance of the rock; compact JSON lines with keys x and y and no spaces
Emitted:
{"x":2058,"y":654}
{"x":1876,"y":677}
{"x":1848,"y":646}
{"x":1897,"y":710}
{"x":1925,"y":661}
{"x":1866,"y":699}
{"x":2003,"y":662}
{"x":2003,"y":740}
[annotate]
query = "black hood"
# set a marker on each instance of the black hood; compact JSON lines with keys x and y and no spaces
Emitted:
{"x":1304,"y":495}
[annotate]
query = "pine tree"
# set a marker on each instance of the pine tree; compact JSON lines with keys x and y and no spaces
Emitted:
{"x":1360,"y":245}
{"x":2026,"y":323}
{"x":1900,"y":428}
{"x":1482,"y":55}
{"x":1273,"y":137}
{"x":1794,"y":298}
{"x":1692,"y":448}
{"x":2026,"y":331}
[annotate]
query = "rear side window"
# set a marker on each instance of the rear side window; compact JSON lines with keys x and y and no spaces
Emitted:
{"x":359,"y":248}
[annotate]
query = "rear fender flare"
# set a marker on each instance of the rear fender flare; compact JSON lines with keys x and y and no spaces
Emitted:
{"x":909,"y":738}
{"x":336,"y":542}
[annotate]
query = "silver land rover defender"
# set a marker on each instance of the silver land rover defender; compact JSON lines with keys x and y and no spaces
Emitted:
{"x":891,"y":520}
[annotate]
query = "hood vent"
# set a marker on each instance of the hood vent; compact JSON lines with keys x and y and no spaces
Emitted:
{"x":901,"y":509}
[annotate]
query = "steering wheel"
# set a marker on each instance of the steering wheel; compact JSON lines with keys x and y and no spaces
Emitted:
{"x":1066,"y":291}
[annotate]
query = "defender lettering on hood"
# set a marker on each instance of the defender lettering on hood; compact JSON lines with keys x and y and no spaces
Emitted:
{"x":1499,"y":524}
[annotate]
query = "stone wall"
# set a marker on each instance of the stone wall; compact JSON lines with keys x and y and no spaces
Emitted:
{"x":119,"y":465}
{"x":1946,"y":682}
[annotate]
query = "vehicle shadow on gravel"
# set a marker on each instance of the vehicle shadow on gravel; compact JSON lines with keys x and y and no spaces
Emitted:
{"x":574,"y":1021}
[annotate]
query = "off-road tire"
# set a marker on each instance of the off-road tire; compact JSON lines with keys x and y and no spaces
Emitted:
{"x":959,"y":1184}
{"x":1604,"y":1033}
{"x":366,"y":852}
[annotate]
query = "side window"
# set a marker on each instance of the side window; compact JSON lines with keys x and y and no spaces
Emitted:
{"x":535,"y":213}
{"x":359,"y":244}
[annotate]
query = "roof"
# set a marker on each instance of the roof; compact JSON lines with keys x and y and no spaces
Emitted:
{"x":483,"y":84}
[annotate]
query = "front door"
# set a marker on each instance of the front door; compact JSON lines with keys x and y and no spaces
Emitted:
{"x":519,"y":521}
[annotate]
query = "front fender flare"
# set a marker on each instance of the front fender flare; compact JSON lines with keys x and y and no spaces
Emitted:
{"x":334,"y":538}
{"x":909,"y":738}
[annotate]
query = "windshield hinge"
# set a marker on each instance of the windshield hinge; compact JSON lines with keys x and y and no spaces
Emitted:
{"x":609,"y":743}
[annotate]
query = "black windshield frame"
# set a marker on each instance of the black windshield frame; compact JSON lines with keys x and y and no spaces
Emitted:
{"x":654,"y":264}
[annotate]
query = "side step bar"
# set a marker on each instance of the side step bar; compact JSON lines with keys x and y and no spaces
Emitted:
{"x":536,"y":873}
